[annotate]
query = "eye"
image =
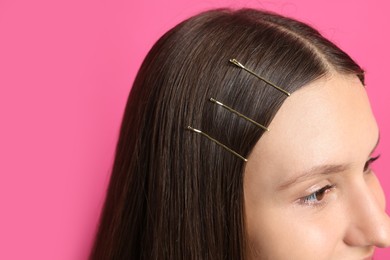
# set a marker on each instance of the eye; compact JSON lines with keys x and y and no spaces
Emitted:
{"x":367,"y":168}
{"x":316,"y":198}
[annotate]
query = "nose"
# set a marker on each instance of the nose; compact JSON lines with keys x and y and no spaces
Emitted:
{"x":369,"y":224}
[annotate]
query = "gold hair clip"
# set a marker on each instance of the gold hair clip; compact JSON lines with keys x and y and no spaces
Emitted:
{"x":217,"y":142}
{"x":238,"y":64}
{"x":238,"y":113}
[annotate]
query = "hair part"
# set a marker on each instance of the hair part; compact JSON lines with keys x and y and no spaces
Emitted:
{"x":174,"y":194}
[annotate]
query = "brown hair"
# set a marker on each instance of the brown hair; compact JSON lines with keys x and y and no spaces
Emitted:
{"x":174,"y":194}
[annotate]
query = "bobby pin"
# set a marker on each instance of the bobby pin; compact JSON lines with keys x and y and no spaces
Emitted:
{"x":238,"y":64}
{"x":238,"y":113}
{"x":217,"y":142}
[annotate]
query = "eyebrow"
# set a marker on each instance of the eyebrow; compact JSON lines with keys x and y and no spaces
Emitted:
{"x":325,"y":169}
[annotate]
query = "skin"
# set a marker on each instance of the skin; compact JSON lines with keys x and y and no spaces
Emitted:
{"x":327,"y":122}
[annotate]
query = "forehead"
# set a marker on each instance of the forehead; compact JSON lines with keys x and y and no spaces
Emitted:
{"x":327,"y":121}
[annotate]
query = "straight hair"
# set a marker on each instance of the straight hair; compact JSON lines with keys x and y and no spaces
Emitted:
{"x":174,"y":194}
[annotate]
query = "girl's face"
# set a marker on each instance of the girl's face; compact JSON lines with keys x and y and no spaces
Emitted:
{"x":309,"y":189}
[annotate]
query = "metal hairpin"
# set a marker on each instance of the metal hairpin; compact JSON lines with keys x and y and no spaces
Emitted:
{"x":238,"y":64}
{"x":238,"y":113}
{"x":217,"y":142}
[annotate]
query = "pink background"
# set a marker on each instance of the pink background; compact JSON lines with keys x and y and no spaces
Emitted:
{"x":66,"y":68}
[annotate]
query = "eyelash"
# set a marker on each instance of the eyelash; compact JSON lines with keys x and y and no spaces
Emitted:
{"x":367,"y":168}
{"x":316,"y":198}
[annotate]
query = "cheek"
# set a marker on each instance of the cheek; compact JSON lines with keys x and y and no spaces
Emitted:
{"x":293,"y":234}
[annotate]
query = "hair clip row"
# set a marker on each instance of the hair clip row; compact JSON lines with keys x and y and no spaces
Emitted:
{"x":238,"y":64}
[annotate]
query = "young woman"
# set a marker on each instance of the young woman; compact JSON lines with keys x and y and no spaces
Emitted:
{"x":247,"y":135}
